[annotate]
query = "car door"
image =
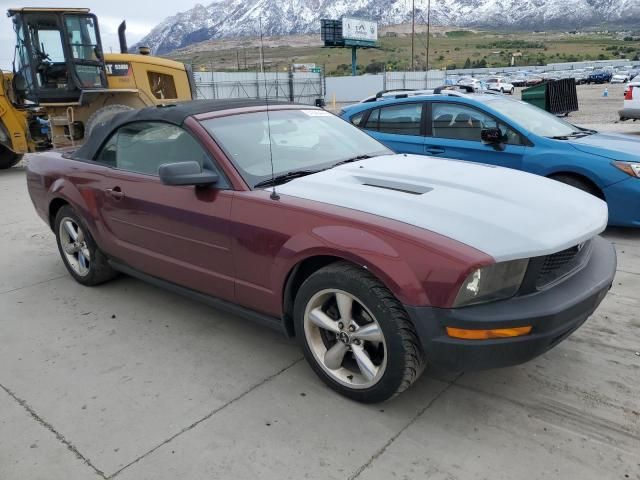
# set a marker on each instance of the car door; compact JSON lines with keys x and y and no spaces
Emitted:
{"x":454,"y":131}
{"x":399,"y":126}
{"x":177,"y":233}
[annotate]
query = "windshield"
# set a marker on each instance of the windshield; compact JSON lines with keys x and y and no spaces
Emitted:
{"x":82,"y":36}
{"x":532,"y":118}
{"x":306,"y":140}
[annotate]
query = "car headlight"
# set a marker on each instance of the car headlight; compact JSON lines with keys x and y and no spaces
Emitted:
{"x":493,"y":282}
{"x":630,"y":168}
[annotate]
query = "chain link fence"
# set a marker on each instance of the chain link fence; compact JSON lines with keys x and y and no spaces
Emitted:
{"x":300,"y":87}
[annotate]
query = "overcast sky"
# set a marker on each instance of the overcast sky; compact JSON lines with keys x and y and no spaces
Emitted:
{"x":141,"y":17}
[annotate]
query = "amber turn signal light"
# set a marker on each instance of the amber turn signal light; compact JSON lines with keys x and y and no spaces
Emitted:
{"x":487,"y":334}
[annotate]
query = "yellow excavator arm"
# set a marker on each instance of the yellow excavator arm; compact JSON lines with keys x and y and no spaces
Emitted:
{"x":14,"y":126}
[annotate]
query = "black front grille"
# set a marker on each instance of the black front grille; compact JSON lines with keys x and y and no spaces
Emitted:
{"x":558,"y":265}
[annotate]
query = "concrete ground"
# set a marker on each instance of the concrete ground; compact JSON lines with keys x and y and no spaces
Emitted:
{"x":130,"y":382}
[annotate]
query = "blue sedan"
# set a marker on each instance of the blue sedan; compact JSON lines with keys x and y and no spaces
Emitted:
{"x":496,"y":130}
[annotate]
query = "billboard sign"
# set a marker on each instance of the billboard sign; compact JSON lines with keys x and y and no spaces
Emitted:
{"x":360,"y":30}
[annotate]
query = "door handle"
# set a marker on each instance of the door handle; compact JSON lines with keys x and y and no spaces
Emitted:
{"x":115,"y":192}
{"x":434,"y":150}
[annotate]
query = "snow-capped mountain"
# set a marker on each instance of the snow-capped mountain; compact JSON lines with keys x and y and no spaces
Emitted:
{"x":226,"y":18}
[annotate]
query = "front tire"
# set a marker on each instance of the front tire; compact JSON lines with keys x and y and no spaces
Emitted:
{"x":8,"y":158}
{"x":579,"y":184}
{"x":355,"y":334}
{"x":81,"y":256}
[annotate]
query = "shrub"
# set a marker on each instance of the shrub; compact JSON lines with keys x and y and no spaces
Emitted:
{"x":374,"y":67}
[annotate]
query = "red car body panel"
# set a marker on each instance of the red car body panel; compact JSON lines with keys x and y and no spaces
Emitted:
{"x":271,"y":237}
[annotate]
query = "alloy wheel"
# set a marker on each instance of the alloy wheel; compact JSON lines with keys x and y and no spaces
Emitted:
{"x":74,"y":245}
{"x":345,"y":339}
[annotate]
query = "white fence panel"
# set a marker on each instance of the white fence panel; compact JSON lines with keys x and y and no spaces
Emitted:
{"x":353,"y":89}
{"x":302,"y":87}
{"x":414,"y":80}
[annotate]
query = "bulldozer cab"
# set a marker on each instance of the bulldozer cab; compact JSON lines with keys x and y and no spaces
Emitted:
{"x":58,"y":55}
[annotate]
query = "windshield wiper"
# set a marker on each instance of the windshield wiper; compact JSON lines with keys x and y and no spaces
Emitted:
{"x":352,"y":159}
{"x":285,"y":177}
{"x":580,"y":134}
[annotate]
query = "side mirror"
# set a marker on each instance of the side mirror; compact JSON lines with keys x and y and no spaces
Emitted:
{"x":186,"y":173}
{"x":491,"y":135}
{"x":494,"y":137}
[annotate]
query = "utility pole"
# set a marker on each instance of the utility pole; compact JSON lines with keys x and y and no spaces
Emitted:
{"x":261,"y":49}
{"x":428,"y":29}
{"x":413,"y":30}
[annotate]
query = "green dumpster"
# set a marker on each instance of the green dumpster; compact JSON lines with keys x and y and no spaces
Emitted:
{"x":559,"y":97}
{"x":536,"y":95}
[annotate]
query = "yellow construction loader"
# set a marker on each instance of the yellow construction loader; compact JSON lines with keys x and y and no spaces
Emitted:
{"x":63,"y":84}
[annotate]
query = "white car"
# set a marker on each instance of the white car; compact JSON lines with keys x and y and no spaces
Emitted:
{"x":499,"y":84}
{"x":471,"y":82}
{"x":580,"y":76}
{"x":631,"y":107}
{"x":622,"y":77}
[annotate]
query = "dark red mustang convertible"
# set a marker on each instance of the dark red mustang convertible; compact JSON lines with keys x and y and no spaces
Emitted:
{"x":379,"y":263}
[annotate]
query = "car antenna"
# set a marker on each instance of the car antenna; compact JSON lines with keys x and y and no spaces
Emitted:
{"x":274,"y":195}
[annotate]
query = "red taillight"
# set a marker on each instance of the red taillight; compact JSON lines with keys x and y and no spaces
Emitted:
{"x":628,"y":94}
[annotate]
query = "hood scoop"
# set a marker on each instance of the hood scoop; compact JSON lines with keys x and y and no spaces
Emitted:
{"x":403,"y":187}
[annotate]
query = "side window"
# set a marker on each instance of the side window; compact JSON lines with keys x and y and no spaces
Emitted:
{"x":357,"y":119}
{"x":142,"y":147}
{"x":372,"y":121}
{"x":162,"y":85}
{"x":403,"y":119}
{"x":460,"y":122}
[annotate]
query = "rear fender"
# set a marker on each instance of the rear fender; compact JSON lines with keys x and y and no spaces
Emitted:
{"x":82,"y":202}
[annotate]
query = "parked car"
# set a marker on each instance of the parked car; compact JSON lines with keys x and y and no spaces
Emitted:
{"x":378,"y":263}
{"x":621,"y":77}
{"x":631,"y":106}
{"x":499,"y":84}
{"x":519,"y":81}
{"x":600,"y":76}
{"x":471,"y":82}
{"x":581,"y":76}
{"x":533,"y":80}
{"x":497,"y":130}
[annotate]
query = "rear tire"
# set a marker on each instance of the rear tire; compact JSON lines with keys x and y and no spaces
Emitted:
{"x":102,"y":116}
{"x":579,"y":184}
{"x":375,"y":351}
{"x":81,"y":256}
{"x":8,"y":158}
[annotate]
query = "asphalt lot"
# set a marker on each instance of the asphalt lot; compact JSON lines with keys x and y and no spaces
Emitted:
{"x":131,"y":382}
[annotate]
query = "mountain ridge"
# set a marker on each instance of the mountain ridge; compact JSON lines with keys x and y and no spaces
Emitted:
{"x":238,"y":18}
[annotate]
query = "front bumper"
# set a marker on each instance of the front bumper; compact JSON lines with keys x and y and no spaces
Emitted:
{"x":554,"y":314}
{"x":623,"y":199}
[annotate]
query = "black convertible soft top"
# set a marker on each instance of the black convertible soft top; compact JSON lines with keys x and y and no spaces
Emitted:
{"x":172,"y":113}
